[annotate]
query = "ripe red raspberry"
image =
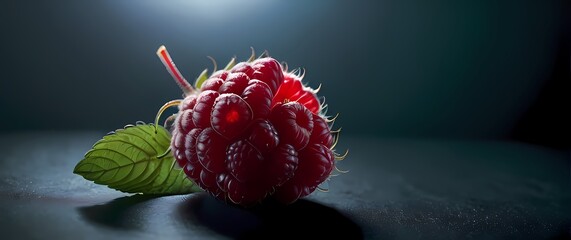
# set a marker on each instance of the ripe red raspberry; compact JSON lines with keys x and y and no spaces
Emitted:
{"x":252,"y":131}
{"x":294,"y":122}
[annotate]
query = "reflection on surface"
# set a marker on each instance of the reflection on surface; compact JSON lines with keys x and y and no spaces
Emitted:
{"x":302,"y":218}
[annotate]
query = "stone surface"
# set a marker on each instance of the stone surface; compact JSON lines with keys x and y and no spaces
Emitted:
{"x":395,"y":189}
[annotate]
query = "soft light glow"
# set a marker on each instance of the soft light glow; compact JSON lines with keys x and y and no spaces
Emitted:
{"x":217,"y":10}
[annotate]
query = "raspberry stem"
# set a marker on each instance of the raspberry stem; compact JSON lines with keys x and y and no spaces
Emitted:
{"x":339,"y":170}
{"x":336,"y":140}
{"x":173,"y":70}
{"x":341,"y":157}
{"x":164,"y":154}
{"x":253,"y":56}
{"x":163,"y":108}
{"x":213,"y":63}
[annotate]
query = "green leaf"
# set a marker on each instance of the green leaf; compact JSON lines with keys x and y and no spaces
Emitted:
{"x":201,"y":78}
{"x":230,"y":64}
{"x":129,"y":160}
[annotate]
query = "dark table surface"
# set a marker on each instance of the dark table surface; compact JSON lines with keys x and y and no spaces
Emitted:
{"x":395,"y":189}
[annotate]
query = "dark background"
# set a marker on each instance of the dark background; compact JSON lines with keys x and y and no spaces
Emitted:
{"x":438,"y":69}
{"x":439,"y":101}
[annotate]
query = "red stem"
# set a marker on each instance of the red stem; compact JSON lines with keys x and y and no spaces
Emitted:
{"x":173,"y":70}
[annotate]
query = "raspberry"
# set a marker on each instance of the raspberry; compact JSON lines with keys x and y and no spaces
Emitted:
{"x":263,"y":136}
{"x":294,"y":123}
{"x":193,"y":172}
{"x":212,"y":84}
{"x":321,"y":133}
{"x":201,"y":111}
{"x":234,"y":83}
{"x":210,"y":148}
{"x":293,"y":90}
{"x":244,"y":194}
{"x":231,"y":115}
{"x":244,"y":161}
{"x":251,"y":132}
{"x":222,"y":74}
{"x":208,"y":181}
{"x":185,"y":121}
{"x":243,"y":67}
{"x":317,"y":164}
{"x":259,"y":96}
{"x":190,"y":146}
{"x":282,"y":165}
{"x":188,"y":103}
{"x":268,"y":70}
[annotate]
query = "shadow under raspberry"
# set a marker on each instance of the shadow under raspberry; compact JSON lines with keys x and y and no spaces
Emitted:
{"x":121,"y":213}
{"x":188,"y":213}
{"x":270,"y":220}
